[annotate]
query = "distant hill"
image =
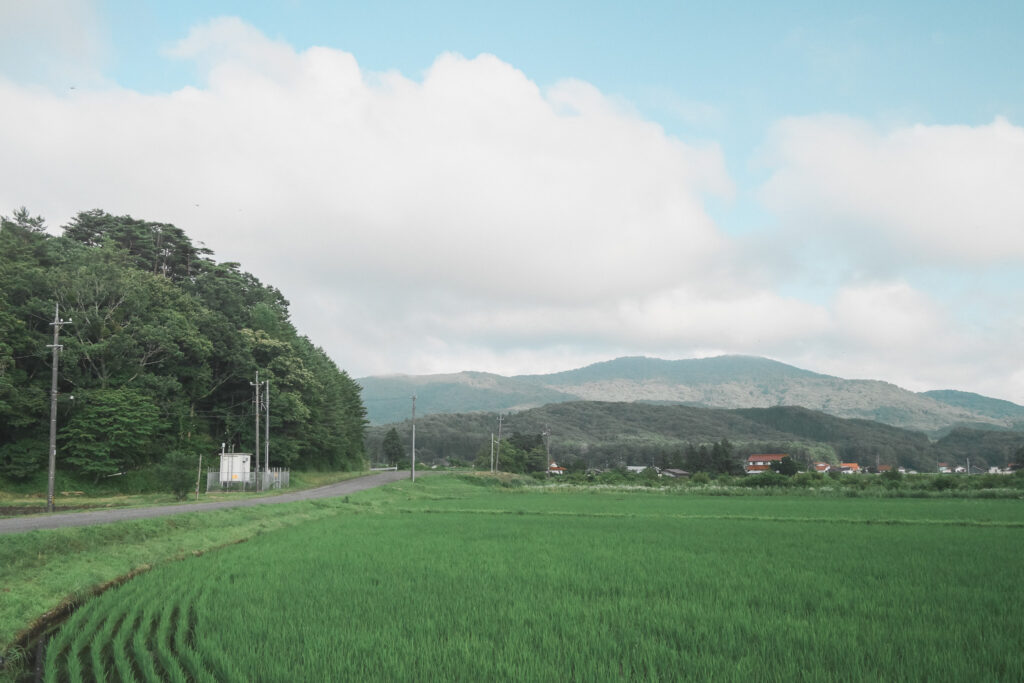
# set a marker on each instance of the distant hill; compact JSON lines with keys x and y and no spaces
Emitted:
{"x":722,"y":382}
{"x":610,"y":434}
{"x":388,"y":399}
{"x":1011,"y":413}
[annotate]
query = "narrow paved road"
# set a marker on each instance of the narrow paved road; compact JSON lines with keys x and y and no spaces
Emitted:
{"x":16,"y":525}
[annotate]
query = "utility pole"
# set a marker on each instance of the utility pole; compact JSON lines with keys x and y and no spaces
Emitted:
{"x":266,"y":433}
{"x":57,"y":323}
{"x":497,"y":453}
{"x":547,"y":444}
{"x":256,"y":412}
{"x":492,"y":451}
{"x":414,"y":437}
{"x":199,"y":474}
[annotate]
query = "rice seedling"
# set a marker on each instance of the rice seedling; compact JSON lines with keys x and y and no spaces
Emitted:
{"x":447,"y":581}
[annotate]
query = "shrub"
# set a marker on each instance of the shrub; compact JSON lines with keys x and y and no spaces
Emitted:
{"x":767,"y":479}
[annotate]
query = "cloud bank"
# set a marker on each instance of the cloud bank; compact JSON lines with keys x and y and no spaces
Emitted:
{"x":471,"y":219}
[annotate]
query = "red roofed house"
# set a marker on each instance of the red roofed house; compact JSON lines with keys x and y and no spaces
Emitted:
{"x":822,"y":467}
{"x":555,"y":468}
{"x":762,"y":462}
{"x":850,"y":468}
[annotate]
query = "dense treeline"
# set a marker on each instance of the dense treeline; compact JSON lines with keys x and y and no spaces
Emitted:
{"x":613,"y":435}
{"x":159,"y":357}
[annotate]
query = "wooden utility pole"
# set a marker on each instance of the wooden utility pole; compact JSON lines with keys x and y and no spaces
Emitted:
{"x":414,"y":437}
{"x":547,"y":444}
{"x":57,"y":323}
{"x":256,"y":412}
{"x":199,"y":475}
{"x":266,"y":433}
{"x":497,"y":452}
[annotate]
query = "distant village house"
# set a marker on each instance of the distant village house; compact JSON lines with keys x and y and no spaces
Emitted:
{"x":762,"y":462}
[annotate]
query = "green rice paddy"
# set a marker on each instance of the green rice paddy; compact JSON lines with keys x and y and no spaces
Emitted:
{"x":449,"y":580}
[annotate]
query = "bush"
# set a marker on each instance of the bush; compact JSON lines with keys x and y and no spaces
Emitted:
{"x":766,"y":479}
{"x":808,"y":479}
{"x":177,"y":473}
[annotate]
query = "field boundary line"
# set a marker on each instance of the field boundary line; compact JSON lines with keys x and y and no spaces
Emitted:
{"x":738,"y":518}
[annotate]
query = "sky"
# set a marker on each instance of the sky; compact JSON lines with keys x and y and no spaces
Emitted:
{"x":532,"y":187}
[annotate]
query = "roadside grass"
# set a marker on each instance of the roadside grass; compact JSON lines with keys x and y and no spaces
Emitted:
{"x":69,"y":499}
{"x":456,"y":579}
{"x":42,"y":570}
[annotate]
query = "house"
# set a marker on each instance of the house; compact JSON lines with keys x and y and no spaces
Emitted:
{"x":849,"y":468}
{"x":944,"y":468}
{"x":636,"y":469}
{"x":555,"y":468}
{"x":672,"y":473}
{"x":762,"y":462}
{"x":822,"y":467}
{"x":884,"y":468}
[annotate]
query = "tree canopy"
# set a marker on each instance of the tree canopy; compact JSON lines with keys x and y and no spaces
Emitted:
{"x":160,"y":355}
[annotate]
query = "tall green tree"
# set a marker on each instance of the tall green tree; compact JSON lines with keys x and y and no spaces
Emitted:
{"x":109,"y":431}
{"x":391,"y":448}
{"x":164,"y":345}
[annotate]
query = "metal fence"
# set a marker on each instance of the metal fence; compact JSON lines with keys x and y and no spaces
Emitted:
{"x":274,"y":478}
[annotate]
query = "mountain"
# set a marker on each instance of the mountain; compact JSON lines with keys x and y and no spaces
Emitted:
{"x":721,"y":382}
{"x":388,"y":399}
{"x":999,"y":409}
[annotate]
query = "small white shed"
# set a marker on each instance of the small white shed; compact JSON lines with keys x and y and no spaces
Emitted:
{"x":234,"y":467}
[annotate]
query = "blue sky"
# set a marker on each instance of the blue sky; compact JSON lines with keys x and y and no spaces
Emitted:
{"x":833,"y":185}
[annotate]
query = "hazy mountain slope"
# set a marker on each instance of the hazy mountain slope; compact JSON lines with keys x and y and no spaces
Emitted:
{"x":749,"y":382}
{"x":388,"y":399}
{"x":699,"y":371}
{"x":722,"y":382}
{"x":981,"y":405}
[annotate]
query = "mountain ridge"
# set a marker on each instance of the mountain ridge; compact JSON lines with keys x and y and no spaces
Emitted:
{"x":731,"y":382}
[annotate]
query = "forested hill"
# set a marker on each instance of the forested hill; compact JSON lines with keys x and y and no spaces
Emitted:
{"x":163,"y":345}
{"x":602,"y":434}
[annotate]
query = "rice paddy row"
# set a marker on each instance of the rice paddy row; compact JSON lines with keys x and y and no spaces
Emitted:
{"x":602,"y":586}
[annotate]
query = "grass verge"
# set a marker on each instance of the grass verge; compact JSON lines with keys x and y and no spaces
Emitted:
{"x":43,"y":571}
{"x":75,"y":501}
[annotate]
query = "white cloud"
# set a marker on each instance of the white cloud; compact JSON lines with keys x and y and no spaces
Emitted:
{"x":472,"y":186}
{"x":55,"y":43}
{"x":474,"y":220}
{"x":946,"y":194}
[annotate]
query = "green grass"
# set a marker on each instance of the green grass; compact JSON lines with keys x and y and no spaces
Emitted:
{"x":40,"y":570}
{"x":445,"y":580}
{"x":27,"y":496}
